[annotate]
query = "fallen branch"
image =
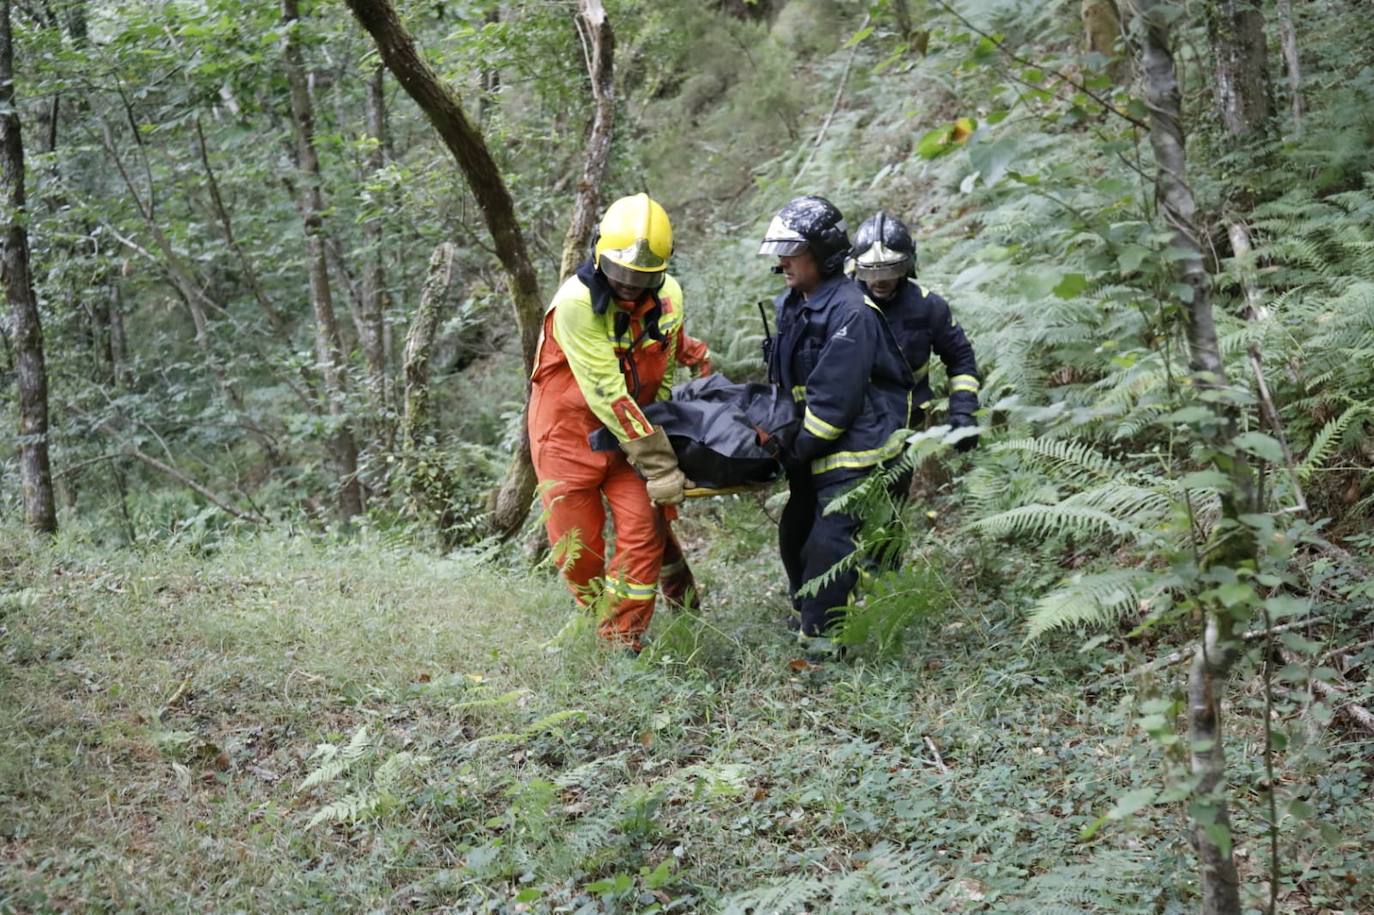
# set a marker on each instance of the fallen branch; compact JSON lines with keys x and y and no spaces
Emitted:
{"x":939,"y":760}
{"x":217,"y":500}
{"x":1339,"y":699}
{"x":1187,"y":654}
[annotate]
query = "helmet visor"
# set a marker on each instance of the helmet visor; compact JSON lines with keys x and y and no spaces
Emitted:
{"x":628,"y":276}
{"x":783,"y":247}
{"x":872,"y":273}
{"x":782,"y":240}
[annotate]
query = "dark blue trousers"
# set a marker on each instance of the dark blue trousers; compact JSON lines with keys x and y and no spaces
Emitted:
{"x":811,"y":542}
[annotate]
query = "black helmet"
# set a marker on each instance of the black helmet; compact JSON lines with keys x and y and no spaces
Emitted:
{"x":883,"y":249}
{"x":809,"y":224}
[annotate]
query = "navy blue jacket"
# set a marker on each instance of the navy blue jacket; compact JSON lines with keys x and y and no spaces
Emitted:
{"x":921,"y":322}
{"x":836,"y":354}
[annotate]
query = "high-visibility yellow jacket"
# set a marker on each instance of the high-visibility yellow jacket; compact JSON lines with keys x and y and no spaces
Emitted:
{"x":598,"y":367}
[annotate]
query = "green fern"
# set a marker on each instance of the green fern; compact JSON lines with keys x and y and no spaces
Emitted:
{"x":1326,"y":441}
{"x":1089,"y":600}
{"x":335,"y":761}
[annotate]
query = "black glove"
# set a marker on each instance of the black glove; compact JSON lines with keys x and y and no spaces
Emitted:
{"x":964,"y":421}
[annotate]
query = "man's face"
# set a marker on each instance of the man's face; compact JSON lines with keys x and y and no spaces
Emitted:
{"x":625,"y":292}
{"x":800,"y":271}
{"x":884,"y":289}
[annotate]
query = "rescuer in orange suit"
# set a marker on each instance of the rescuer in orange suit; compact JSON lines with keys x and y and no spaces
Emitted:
{"x":610,"y":339}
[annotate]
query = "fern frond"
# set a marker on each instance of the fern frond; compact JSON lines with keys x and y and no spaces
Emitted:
{"x":1050,"y":520}
{"x":1088,"y":600}
{"x":1072,"y":460}
{"x":1325,"y":442}
{"x":347,"y":809}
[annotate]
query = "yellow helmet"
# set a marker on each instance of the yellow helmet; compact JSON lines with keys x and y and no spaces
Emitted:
{"x":634,"y":241}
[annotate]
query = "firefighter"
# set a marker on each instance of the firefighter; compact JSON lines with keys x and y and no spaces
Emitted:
{"x":611,"y":337}
{"x":884,"y":260}
{"x":835,"y":353}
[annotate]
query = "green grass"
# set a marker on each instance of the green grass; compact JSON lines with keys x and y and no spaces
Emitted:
{"x":162,"y":713}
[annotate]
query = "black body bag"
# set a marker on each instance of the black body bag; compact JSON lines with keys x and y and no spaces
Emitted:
{"x":724,"y":434}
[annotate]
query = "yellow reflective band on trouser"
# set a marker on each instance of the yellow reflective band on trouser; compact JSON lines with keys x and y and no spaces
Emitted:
{"x":819,"y":427}
{"x":632,"y":590}
{"x":799,"y":393}
{"x":964,"y":383}
{"x":855,"y":460}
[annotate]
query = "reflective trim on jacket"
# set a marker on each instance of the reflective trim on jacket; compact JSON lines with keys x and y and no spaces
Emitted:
{"x":835,"y":353}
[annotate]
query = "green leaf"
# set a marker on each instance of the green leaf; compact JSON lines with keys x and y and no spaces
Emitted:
{"x":858,"y":36}
{"x":1285,"y":605}
{"x":1071,"y":285}
{"x":1221,"y":837}
{"x":934,"y":142}
{"x":993,"y":159}
{"x":1187,"y":416}
{"x":1131,"y":801}
{"x":1130,"y":257}
{"x":1236,"y":594}
{"x":1264,"y":447}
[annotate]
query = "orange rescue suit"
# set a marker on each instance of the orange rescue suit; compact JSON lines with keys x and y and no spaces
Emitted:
{"x":595,"y":370}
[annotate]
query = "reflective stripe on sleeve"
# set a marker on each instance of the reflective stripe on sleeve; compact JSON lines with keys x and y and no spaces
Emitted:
{"x":819,"y":427}
{"x":967,"y":383}
{"x":632,"y":419}
{"x":799,"y":393}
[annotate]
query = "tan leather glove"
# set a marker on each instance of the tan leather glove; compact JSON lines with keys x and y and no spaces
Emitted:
{"x":653,"y":457}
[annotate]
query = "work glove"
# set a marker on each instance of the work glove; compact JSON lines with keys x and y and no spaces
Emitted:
{"x":964,"y":421}
{"x":655,"y":460}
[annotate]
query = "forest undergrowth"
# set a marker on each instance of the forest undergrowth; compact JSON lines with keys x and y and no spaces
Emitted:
{"x":289,"y":723}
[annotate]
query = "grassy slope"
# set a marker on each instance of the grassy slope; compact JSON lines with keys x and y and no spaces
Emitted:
{"x":161,"y":711}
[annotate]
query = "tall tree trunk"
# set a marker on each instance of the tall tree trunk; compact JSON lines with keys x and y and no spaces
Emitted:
{"x":1102,"y":33}
{"x":599,"y":43}
{"x":419,"y":341}
{"x":1217,"y":650}
{"x":35,"y":472}
{"x":397,"y":47}
{"x":328,"y":348}
{"x":1244,"y":98}
{"x":371,"y":310}
{"x":1288,"y":41}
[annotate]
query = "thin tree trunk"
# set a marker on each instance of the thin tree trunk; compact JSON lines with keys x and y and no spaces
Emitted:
{"x":1288,"y":41}
{"x":373,"y":282}
{"x":1241,"y":59}
{"x":415,"y":421}
{"x":902,"y":11}
{"x":1218,"y":648}
{"x":599,"y":46}
{"x":250,"y":275}
{"x":35,"y":472}
{"x":328,"y":348}
{"x":1256,"y":312}
{"x":397,"y":47}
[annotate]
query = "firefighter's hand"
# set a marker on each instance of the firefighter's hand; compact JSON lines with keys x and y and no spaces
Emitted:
{"x":668,"y":488}
{"x":964,"y":421}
